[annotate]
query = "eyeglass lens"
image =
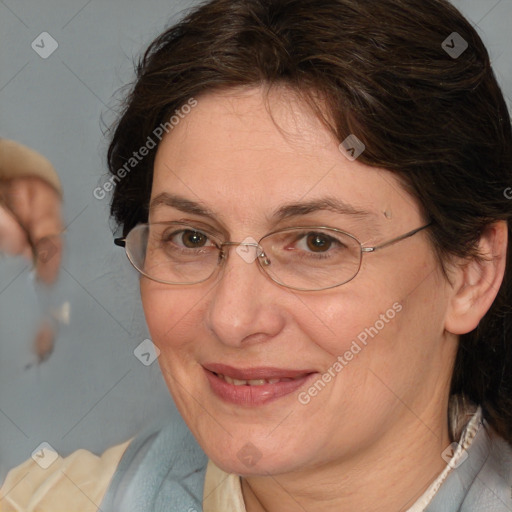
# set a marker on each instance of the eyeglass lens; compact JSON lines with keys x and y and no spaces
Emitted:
{"x":303,"y":258}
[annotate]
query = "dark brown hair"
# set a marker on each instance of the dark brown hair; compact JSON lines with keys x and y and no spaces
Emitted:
{"x":437,"y":121}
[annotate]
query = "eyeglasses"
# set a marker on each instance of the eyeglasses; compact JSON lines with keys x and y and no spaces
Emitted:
{"x":301,"y":258}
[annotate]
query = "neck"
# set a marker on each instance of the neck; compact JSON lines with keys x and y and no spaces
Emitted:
{"x":390,"y":475}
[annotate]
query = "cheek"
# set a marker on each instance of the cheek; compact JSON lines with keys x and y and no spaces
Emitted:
{"x":162,"y":311}
{"x":173,"y":317}
{"x":348,"y":319}
{"x":153,"y":304}
{"x":389,"y":326}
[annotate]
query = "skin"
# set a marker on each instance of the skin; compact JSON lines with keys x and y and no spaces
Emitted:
{"x":372,"y":439}
{"x":30,"y":224}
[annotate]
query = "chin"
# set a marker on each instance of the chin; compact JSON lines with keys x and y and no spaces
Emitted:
{"x":250,"y":458}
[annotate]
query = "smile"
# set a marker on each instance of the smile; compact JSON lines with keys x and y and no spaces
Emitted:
{"x":253,"y":382}
{"x":254,"y":386}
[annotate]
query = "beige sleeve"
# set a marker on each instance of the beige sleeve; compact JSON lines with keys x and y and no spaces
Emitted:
{"x":76,"y":483}
{"x":17,"y":160}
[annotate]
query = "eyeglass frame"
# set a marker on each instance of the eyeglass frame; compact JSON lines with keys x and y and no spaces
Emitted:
{"x":121,"y":242}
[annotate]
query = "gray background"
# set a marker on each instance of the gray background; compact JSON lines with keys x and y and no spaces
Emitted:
{"x":93,"y":392}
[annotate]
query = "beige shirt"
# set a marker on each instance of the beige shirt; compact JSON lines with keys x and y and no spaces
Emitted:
{"x":78,"y":483}
{"x":73,"y":484}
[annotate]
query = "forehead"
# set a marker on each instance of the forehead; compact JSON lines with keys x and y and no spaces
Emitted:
{"x":243,"y":153}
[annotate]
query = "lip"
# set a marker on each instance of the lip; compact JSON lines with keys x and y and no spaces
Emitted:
{"x":260,"y":372}
{"x":246,"y":395}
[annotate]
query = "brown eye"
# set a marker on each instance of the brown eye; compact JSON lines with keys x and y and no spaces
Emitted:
{"x":193,"y":239}
{"x":317,"y":242}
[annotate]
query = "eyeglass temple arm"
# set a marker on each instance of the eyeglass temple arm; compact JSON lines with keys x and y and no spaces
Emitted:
{"x":395,"y":240}
{"x":121,"y":242}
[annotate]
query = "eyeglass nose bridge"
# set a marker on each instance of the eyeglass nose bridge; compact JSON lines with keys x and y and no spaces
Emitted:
{"x":261,"y":256}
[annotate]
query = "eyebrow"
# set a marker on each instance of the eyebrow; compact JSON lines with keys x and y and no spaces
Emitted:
{"x":180,"y":203}
{"x":286,"y":211}
{"x":325,"y":203}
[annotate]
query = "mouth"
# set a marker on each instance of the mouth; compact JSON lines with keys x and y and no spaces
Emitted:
{"x":252,"y":382}
{"x":254,"y":386}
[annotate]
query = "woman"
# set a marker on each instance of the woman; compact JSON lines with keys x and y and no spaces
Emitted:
{"x":266,"y":148}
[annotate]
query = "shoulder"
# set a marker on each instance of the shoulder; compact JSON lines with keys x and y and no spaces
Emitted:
{"x":482,"y":481}
{"x":162,"y":465}
{"x":491,"y":490}
{"x":76,"y":482}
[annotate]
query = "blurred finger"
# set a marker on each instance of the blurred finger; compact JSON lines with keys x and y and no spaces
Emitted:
{"x":13,"y":239}
{"x":48,"y":258}
{"x":38,"y":206}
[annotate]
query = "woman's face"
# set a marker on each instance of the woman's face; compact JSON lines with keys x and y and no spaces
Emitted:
{"x":370,"y":359}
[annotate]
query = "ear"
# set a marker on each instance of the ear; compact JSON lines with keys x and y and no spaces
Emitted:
{"x":477,"y":282}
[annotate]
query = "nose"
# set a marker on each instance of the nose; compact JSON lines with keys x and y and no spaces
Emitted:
{"x":244,"y":305}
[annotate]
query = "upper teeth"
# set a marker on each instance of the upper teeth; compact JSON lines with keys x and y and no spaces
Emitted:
{"x":252,"y":382}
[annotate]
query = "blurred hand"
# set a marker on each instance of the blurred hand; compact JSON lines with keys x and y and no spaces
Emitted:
{"x":31,"y":224}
